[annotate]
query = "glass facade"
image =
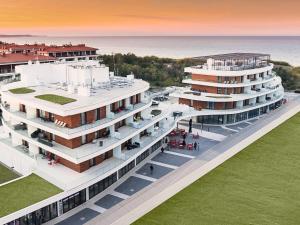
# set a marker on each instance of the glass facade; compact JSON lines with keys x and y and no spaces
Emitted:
{"x":126,"y":169}
{"x":156,"y":146}
{"x":74,"y":200}
{"x":143,"y":156}
{"x":211,"y":119}
{"x":235,"y":118}
{"x":253,"y":113}
{"x":102,"y":185}
{"x":38,"y":217}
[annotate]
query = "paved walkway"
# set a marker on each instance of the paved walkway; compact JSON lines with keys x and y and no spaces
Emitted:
{"x":190,"y":169}
{"x":138,"y":179}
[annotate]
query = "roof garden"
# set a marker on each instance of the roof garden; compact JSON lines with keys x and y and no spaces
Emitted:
{"x":6,"y":174}
{"x":57,"y":99}
{"x":21,"y":90}
{"x":25,"y":192}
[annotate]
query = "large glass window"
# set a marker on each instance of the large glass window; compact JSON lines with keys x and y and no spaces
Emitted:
{"x":74,"y":200}
{"x":38,"y":217}
{"x":102,"y":185}
{"x":241,"y":116}
{"x":253,"y":113}
{"x":143,"y":156}
{"x":126,"y":169}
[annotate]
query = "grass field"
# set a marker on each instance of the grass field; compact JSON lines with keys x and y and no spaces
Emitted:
{"x":56,"y":99}
{"x":258,"y":186}
{"x":24,"y":192}
{"x":6,"y":174}
{"x":22,"y":90}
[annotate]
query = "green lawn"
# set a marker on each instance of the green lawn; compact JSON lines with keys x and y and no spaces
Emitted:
{"x":6,"y":174}
{"x":25,"y":192}
{"x":22,"y":90}
{"x":258,"y":186}
{"x":56,"y":99}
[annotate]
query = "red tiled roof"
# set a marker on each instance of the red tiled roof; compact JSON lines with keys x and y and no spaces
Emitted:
{"x":68,"y":48}
{"x":47,"y":48}
{"x":15,"y":58}
{"x":12,"y":46}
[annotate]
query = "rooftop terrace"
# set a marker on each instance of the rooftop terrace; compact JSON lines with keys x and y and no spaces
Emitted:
{"x":25,"y":192}
{"x":233,"y":61}
{"x":100,"y":95}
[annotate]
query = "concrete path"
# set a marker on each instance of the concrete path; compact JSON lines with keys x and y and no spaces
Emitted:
{"x":140,"y":203}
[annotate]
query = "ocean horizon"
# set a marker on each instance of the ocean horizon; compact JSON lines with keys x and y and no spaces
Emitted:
{"x":283,"y":48}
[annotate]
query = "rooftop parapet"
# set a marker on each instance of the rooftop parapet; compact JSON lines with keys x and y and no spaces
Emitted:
{"x":233,"y":61}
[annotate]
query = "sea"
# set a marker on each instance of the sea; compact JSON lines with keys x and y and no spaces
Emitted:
{"x":283,"y":48}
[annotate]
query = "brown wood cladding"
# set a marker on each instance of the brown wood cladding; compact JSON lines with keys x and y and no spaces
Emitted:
{"x":215,"y":79}
{"x":198,"y":105}
{"x":205,"y":78}
{"x":72,"y":121}
{"x":71,"y":143}
{"x":204,"y":88}
{"x":185,"y":101}
{"x":81,"y":167}
{"x":90,"y":116}
{"x":103,"y":112}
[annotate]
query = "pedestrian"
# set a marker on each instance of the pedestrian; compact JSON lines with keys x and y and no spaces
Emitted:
{"x":195,"y":145}
{"x":151,"y":169}
{"x":190,"y":125}
{"x":162,"y":149}
{"x":198,"y":146}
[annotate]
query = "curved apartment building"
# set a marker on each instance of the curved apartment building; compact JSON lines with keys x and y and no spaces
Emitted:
{"x":79,"y":127}
{"x":230,"y":88}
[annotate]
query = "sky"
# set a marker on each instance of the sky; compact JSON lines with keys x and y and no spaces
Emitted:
{"x":150,"y":17}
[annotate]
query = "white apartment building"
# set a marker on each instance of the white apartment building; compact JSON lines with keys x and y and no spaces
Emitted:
{"x":230,"y":88}
{"x":79,"y":127}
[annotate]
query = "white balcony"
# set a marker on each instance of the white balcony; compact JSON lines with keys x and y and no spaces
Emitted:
{"x":69,"y":133}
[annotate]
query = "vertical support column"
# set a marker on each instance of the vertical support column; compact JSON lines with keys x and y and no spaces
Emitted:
{"x":112,"y":130}
{"x":30,"y":112}
{"x":117,"y":152}
{"x":59,"y":208}
{"x":15,"y":140}
{"x":14,"y":106}
{"x":87,"y":193}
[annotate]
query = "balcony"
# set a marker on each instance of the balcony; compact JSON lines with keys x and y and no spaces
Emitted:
{"x":72,"y":132}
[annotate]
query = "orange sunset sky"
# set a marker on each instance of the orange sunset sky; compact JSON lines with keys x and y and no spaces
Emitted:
{"x":150,"y":17}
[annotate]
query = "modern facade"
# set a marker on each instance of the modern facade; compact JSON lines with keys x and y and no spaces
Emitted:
{"x":79,"y":127}
{"x":230,"y":88}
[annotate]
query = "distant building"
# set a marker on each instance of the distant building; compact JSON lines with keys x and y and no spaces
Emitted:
{"x":12,"y":55}
{"x":230,"y":88}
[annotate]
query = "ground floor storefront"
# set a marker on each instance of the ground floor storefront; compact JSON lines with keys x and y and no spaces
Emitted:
{"x":238,"y":117}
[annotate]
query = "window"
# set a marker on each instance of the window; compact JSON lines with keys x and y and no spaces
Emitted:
{"x":74,"y":200}
{"x":143,"y":156}
{"x":102,"y":185}
{"x":211,"y":105}
{"x":219,"y":90}
{"x":126,"y":169}
{"x":38,"y":217}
